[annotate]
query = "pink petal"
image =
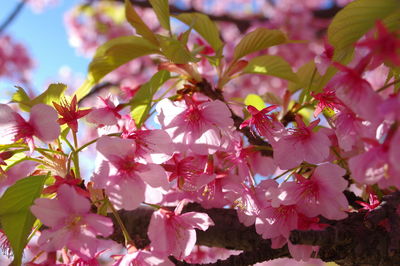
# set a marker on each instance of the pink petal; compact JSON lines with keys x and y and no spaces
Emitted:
{"x":217,"y":113}
{"x":154,"y":175}
{"x":44,"y":121}
{"x":72,"y":201}
{"x":127,"y":193}
{"x":102,"y":116}
{"x":197,"y":220}
{"x":100,"y":224}
{"x":110,"y":147}
{"x":49,"y":212}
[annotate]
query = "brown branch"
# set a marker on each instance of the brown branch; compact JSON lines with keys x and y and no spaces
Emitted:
{"x":243,"y":23}
{"x":12,"y":16}
{"x":363,"y":238}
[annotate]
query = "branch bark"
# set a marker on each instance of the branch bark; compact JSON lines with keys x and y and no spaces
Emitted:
{"x":12,"y":16}
{"x":363,"y":238}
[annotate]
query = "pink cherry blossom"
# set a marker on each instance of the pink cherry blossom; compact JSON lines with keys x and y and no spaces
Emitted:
{"x":42,"y":124}
{"x":153,"y":146}
{"x":301,"y":144}
{"x":106,"y":114}
{"x":373,"y":166}
{"x":265,"y":125}
{"x":70,"y":223}
{"x":124,"y":179}
{"x":16,"y":172}
{"x":275,"y":222}
{"x":355,"y":92}
{"x":192,"y":172}
{"x":199,"y":126}
{"x":142,"y":257}
{"x":320,"y":194}
{"x":172,"y":233}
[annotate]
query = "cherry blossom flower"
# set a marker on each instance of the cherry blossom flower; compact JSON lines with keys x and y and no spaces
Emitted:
{"x":16,"y":172}
{"x":326,"y":99}
{"x":320,"y":194}
{"x":107,"y":114}
{"x":124,"y":179}
{"x":42,"y":124}
{"x":265,"y":125}
{"x":70,"y":113}
{"x":355,"y":92}
{"x":199,"y":126}
{"x":385,"y":47}
{"x":173,"y":233}
{"x":153,"y":146}
{"x":70,"y":223}
{"x":301,"y":144}
{"x":141,"y":257}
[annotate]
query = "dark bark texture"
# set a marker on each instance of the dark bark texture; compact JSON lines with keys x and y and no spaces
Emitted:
{"x":363,"y":238}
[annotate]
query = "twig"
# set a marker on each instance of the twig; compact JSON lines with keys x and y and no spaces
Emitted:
{"x":12,"y":16}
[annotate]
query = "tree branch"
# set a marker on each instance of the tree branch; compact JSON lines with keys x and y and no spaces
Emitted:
{"x":12,"y":16}
{"x":363,"y":238}
{"x":242,"y":23}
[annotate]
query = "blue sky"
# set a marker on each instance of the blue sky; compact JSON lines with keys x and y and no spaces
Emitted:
{"x":45,"y":37}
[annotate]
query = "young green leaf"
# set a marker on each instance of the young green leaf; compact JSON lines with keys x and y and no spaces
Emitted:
{"x":141,"y":103}
{"x":53,"y":93}
{"x":254,"y":100}
{"x":136,"y":21}
{"x":161,"y":9}
{"x":271,"y":65}
{"x":22,"y":98}
{"x":258,"y":40}
{"x":175,"y":51}
{"x":356,"y":19}
{"x":112,"y":55}
{"x":15,"y":217}
{"x":204,"y":26}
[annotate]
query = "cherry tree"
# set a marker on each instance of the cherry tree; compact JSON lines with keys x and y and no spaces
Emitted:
{"x":205,"y":135}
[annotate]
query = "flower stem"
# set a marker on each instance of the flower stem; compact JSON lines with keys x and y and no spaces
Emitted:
{"x":128,"y":239}
{"x":75,"y":157}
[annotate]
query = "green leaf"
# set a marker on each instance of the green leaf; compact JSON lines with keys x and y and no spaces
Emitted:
{"x":175,"y":51}
{"x":22,"y":98}
{"x":53,"y":93}
{"x":305,"y":74}
{"x":15,"y":216}
{"x":161,"y":9}
{"x":141,"y":103}
{"x":204,"y":26}
{"x":356,"y":19}
{"x":254,"y":100}
{"x":112,"y":55}
{"x":136,"y":21}
{"x":271,"y":65}
{"x":258,"y":40}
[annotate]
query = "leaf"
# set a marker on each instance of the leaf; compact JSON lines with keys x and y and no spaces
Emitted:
{"x":112,"y":55}
{"x":161,"y":9}
{"x":175,"y":51}
{"x":271,"y":65}
{"x":356,"y":19}
{"x":53,"y":93}
{"x":15,"y":216}
{"x":204,"y":26}
{"x":258,"y":40}
{"x":254,"y":100}
{"x":22,"y":98}
{"x":141,"y":103}
{"x":136,"y":21}
{"x":305,"y":74}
